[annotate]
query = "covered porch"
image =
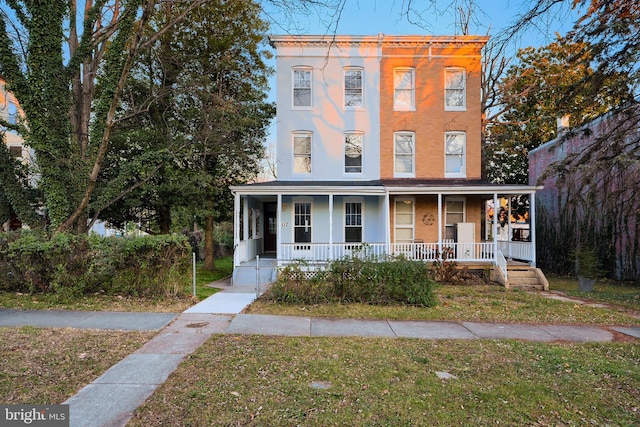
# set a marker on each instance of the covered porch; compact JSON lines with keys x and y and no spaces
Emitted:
{"x":422,"y":221}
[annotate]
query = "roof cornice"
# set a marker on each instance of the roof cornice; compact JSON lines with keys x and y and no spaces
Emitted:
{"x":380,"y":39}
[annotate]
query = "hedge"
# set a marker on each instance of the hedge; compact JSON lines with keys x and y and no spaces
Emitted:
{"x":77,"y":265}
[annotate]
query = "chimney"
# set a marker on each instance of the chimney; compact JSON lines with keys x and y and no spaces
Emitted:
{"x":563,"y":124}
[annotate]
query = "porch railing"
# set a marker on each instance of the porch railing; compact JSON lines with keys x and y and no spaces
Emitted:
{"x":516,"y":250}
{"x":322,"y":252}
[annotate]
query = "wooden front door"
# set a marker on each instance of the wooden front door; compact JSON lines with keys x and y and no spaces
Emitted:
{"x":270,"y":227}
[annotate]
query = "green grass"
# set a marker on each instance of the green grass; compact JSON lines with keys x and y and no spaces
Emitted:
{"x":224,"y":268}
{"x":467,"y":303}
{"x":607,"y":291}
{"x":269,"y":381}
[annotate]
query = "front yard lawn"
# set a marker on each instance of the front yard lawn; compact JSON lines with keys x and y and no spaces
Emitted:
{"x":47,"y":366}
{"x":469,"y":303}
{"x":283,"y":381}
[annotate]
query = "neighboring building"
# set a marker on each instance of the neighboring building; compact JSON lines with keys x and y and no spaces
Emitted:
{"x":592,"y":198}
{"x":10,"y":111}
{"x":378,"y":142}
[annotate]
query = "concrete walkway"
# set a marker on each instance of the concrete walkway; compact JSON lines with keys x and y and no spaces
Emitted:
{"x":111,"y":398}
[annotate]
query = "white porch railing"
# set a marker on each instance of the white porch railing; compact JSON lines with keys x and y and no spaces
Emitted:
{"x":516,"y":250}
{"x":322,"y":252}
{"x":501,"y":261}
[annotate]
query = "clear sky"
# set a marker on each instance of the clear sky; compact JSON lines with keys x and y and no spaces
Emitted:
{"x":370,"y":17}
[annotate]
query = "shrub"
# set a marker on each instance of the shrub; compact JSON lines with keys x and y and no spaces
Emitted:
{"x":356,"y":278}
{"x":71,"y":265}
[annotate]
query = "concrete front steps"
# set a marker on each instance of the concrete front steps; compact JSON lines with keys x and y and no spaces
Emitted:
{"x":526,"y":278}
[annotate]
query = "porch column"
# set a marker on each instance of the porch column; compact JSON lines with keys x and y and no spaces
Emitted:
{"x":532,"y":227}
{"x":509,"y":229}
{"x":236,"y":227}
{"x":440,"y":224}
{"x":387,"y":222}
{"x":330,"y":226}
{"x":496,"y":210}
{"x":278,"y":228}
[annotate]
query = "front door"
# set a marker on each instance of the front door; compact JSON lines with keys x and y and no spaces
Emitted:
{"x":270,"y":227}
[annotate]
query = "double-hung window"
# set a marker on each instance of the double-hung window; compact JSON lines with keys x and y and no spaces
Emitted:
{"x":455,"y":89}
{"x":454,"y":214}
{"x":353,"y":92}
{"x":455,"y":155}
{"x":353,"y":147}
{"x":404,"y":220}
{"x":302,"y":222}
{"x":353,"y":222}
{"x":302,"y":153}
{"x":404,"y":96}
{"x":302,"y":87}
{"x":404,"y":154}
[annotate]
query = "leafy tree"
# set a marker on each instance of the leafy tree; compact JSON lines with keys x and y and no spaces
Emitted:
{"x":53,"y":56}
{"x":195,"y":108}
{"x":545,"y":84}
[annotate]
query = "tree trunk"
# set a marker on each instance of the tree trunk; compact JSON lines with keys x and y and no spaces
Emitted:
{"x":164,"y":219}
{"x":209,"y":254}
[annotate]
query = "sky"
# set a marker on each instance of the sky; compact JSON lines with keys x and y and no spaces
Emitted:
{"x":370,"y":17}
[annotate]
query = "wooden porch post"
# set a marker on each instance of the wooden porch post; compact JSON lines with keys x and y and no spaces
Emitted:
{"x":387,"y":214}
{"x":532,"y":227}
{"x":279,"y":229}
{"x":496,"y":210}
{"x":236,"y":227}
{"x":330,"y":226}
{"x":440,"y":225}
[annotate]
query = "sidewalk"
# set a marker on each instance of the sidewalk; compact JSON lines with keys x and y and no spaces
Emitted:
{"x":111,"y":398}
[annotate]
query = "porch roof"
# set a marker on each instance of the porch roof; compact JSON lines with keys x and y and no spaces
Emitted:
{"x":393,"y":186}
{"x":310,"y":187}
{"x":453,"y":186}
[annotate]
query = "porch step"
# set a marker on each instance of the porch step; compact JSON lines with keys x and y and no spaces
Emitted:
{"x":526,"y":278}
{"x":247,"y":275}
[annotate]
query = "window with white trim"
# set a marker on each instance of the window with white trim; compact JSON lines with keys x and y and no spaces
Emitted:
{"x":454,"y":213}
{"x":302,"y":222}
{"x":455,"y":89}
{"x":302,"y":153}
{"x":455,"y":147}
{"x":353,"y":148}
{"x":15,"y":151}
{"x":404,"y":219}
{"x":353,"y":90}
{"x":302,"y":87}
{"x":404,"y":95}
{"x":353,"y":222}
{"x":404,"y":154}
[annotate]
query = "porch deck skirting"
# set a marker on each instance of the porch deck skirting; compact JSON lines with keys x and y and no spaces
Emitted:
{"x":471,"y":252}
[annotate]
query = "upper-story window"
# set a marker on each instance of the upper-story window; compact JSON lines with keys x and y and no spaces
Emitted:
{"x":13,"y":113}
{"x":302,"y":87}
{"x":404,"y":154}
{"x":404,"y":96}
{"x":455,"y":154}
{"x":15,"y":151}
{"x":353,"y":92}
{"x":455,"y":89}
{"x":302,"y":153}
{"x":353,"y":148}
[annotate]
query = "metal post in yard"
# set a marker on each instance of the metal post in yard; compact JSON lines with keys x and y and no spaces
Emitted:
{"x":257,"y":275}
{"x":194,"y":274}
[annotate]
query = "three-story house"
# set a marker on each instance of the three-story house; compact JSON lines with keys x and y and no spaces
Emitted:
{"x":379,"y":143}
